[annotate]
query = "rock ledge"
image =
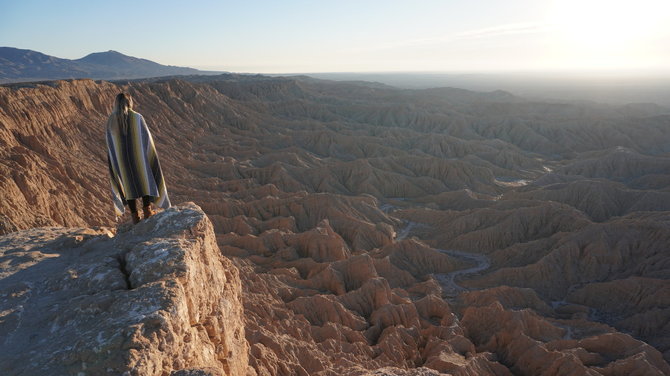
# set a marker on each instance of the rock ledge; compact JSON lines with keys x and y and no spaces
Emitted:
{"x":158,"y":299}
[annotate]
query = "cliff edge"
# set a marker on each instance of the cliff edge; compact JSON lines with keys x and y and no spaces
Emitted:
{"x":158,"y":299}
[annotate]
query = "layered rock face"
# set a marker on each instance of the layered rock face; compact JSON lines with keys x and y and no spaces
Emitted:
{"x":52,"y":142}
{"x":383,"y":231}
{"x":158,"y":299}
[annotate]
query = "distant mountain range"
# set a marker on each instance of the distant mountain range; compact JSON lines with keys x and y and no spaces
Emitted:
{"x":18,"y":65}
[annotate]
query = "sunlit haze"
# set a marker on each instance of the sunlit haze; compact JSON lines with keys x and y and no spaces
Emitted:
{"x":353,"y":36}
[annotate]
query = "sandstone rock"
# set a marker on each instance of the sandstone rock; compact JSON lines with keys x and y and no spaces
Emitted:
{"x":320,"y":310}
{"x":599,"y":199}
{"x":320,"y":244}
{"x":618,"y":163}
{"x":198,"y":372}
{"x":418,"y":259}
{"x":508,"y":297}
{"x":535,"y":346}
{"x":499,"y":226}
{"x":157,"y":298}
{"x":392,"y":371}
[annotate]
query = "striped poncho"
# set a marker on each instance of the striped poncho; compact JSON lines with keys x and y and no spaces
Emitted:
{"x":134,"y":168}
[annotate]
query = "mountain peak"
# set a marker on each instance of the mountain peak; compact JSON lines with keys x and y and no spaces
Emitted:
{"x":105,"y":53}
{"x":111,"y":57}
{"x":26,"y":65}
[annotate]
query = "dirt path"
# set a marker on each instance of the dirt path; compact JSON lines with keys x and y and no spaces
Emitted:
{"x":404,"y":232}
{"x":448,"y":281}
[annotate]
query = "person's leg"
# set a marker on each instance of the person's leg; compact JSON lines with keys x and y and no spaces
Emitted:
{"x":132,"y":205}
{"x":146,"y":201}
{"x":146,"y":207}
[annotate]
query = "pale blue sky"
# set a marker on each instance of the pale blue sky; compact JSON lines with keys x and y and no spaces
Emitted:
{"x":339,"y":36}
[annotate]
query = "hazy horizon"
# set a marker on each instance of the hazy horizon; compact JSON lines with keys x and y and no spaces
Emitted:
{"x":565,"y":87}
{"x":607,"y":87}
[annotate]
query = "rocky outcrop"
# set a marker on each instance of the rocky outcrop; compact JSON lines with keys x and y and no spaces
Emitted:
{"x":155,"y":299}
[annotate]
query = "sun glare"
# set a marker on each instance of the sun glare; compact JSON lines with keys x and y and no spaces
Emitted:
{"x":609,"y":34}
{"x":608,"y":24}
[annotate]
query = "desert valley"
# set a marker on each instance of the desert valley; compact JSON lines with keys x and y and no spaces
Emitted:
{"x":365,"y":229}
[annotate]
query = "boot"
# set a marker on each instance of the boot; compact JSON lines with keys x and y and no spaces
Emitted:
{"x":148,"y":211}
{"x":136,"y":217}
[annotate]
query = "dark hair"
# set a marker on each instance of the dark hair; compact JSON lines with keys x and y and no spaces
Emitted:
{"x":123,"y":104}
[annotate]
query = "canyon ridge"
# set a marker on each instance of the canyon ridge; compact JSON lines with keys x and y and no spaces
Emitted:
{"x":335,"y":228}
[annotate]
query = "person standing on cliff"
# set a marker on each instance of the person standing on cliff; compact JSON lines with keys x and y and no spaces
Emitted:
{"x":134,"y":169}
